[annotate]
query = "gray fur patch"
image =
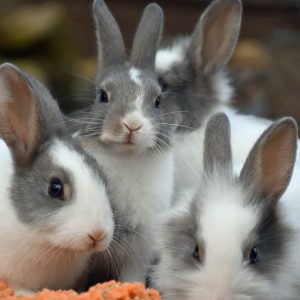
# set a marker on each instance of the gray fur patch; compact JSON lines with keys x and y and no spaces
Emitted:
{"x":192,"y":93}
{"x":30,"y":190}
{"x":181,"y":240}
{"x":272,"y":240}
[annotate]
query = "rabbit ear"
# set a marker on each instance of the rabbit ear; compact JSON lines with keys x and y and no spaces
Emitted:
{"x":111,"y":49}
{"x":147,"y":37}
{"x":25,"y":120}
{"x":269,"y":166}
{"x":19,"y":124}
{"x":215,"y":36}
{"x":217,"y":149}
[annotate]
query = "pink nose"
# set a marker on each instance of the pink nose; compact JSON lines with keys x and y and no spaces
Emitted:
{"x":96,"y":236}
{"x":133,"y":127}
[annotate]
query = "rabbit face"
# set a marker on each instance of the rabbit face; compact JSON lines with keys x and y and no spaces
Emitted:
{"x":62,"y":198}
{"x":129,"y":113}
{"x":191,"y":71}
{"x":230,"y":240}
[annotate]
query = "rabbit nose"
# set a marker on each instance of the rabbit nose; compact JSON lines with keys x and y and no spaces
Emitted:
{"x":97,"y":236}
{"x":133,"y":127}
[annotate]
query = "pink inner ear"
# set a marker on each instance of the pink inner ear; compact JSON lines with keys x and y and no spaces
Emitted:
{"x":276,"y":163}
{"x":18,"y":115}
{"x":219,"y":35}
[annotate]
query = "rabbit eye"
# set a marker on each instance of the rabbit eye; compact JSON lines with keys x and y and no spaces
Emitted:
{"x":253,"y":256}
{"x":157,"y":102}
{"x":196,"y":253}
{"x":103,"y":97}
{"x":163,"y":84}
{"x":56,"y":189}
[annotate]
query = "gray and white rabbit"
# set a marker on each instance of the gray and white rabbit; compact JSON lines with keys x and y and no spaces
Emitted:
{"x":238,"y":237}
{"x":193,"y":74}
{"x":54,"y":208}
{"x":128,"y":133}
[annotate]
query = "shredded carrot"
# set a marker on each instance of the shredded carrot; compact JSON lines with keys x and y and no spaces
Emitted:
{"x":106,"y":291}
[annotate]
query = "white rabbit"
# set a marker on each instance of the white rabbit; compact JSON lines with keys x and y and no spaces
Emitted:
{"x":127,"y":133}
{"x":238,"y":237}
{"x":192,"y":75}
{"x":54,"y":208}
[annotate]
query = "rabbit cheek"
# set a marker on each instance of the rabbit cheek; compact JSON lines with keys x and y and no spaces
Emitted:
{"x":112,"y":131}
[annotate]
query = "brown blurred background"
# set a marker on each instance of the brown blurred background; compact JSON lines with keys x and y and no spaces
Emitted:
{"x":54,"y":40}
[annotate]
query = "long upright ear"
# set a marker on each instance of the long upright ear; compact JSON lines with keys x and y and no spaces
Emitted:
{"x":111,"y":49}
{"x":269,"y":166}
{"x":147,"y":37}
{"x":217,"y":150}
{"x":215,"y":36}
{"x":20,"y":127}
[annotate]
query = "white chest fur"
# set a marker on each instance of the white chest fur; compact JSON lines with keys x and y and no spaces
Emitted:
{"x":141,"y":184}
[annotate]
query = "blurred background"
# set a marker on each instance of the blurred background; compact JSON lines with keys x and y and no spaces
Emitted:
{"x":54,"y":40}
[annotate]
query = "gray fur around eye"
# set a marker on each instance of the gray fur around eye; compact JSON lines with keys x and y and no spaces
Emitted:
{"x":180,"y":236}
{"x":30,"y":191}
{"x":272,"y":241}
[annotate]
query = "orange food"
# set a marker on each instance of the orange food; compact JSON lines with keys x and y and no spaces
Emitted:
{"x":107,"y":291}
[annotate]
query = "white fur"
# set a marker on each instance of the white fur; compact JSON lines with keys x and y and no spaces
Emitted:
{"x":141,"y":187}
{"x":139,"y":102}
{"x":222,"y":88}
{"x":225,"y":225}
{"x":90,"y":209}
{"x":135,"y":76}
{"x":245,"y":130}
{"x":141,"y":139}
{"x":32,"y":259}
{"x":144,"y":137}
{"x":135,"y":180}
{"x":167,"y":57}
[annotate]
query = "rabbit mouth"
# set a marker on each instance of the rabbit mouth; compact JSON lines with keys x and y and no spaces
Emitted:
{"x":129,"y":139}
{"x":87,"y":247}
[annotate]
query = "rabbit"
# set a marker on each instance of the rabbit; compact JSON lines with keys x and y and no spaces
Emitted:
{"x":192,"y":74}
{"x":127,"y":131}
{"x":54,"y":209}
{"x":235,"y":238}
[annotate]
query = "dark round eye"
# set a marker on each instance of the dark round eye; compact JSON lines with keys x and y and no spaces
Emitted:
{"x":157,"y":102}
{"x":163,"y":84}
{"x":103,"y":97}
{"x":56,"y":188}
{"x":196,"y":253}
{"x":253,"y":256}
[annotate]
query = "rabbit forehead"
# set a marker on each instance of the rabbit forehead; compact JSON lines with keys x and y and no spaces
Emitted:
{"x":225,"y":218}
{"x":128,"y":79}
